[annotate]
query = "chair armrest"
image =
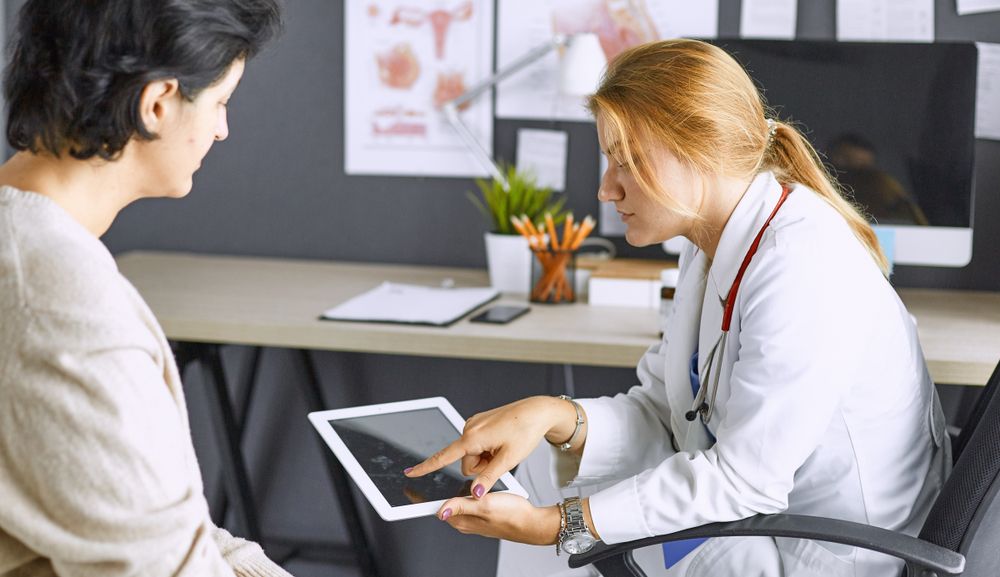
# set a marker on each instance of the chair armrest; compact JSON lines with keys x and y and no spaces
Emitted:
{"x":910,"y":549}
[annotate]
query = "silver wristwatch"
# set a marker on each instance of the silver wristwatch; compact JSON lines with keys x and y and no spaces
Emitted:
{"x":574,"y":537}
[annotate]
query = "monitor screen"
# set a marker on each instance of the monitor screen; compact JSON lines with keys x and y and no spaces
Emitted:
{"x":894,"y":121}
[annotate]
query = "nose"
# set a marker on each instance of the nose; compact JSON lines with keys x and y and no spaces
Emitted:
{"x":610,"y":190}
{"x":222,"y":128}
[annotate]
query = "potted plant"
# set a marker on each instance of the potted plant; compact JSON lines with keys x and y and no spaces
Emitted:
{"x":507,"y":254}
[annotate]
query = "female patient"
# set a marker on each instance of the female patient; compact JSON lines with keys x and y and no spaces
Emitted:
{"x":109,"y":102}
{"x":790,"y":377}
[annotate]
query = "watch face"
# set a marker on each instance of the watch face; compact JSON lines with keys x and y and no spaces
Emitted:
{"x":580,"y":543}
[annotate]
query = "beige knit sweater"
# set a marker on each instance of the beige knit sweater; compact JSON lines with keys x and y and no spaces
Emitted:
{"x":98,"y":475}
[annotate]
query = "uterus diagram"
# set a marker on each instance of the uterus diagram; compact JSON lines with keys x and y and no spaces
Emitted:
{"x":440,"y":20}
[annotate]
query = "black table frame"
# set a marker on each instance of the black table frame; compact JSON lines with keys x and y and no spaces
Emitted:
{"x":229,"y":427}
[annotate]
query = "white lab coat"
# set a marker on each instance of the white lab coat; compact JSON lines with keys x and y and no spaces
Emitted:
{"x":825,"y":406}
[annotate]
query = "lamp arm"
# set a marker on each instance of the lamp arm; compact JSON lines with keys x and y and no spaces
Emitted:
{"x":532,"y":55}
{"x":450,"y":110}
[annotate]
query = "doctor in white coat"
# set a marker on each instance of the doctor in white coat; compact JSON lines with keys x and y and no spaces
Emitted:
{"x":790,"y":378}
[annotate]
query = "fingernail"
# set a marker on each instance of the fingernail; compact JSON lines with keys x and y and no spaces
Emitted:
{"x":407,"y":470}
{"x":478,"y":491}
{"x":445,"y":514}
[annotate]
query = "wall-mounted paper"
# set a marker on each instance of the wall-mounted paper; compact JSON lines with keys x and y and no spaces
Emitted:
{"x":988,"y":91}
{"x":402,"y":62}
{"x":886,"y":20}
{"x":525,"y":24}
{"x":768,"y":19}
{"x":975,"y":6}
{"x":543,"y":152}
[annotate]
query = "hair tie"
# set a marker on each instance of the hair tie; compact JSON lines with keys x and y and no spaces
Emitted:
{"x":772,"y":127}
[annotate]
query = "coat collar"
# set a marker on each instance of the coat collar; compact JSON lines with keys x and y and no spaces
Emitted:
{"x":749,"y":216}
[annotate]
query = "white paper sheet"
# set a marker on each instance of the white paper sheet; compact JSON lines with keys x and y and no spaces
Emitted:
{"x":543,"y":152}
{"x":975,"y":6}
{"x":768,"y":19}
{"x":525,"y":24}
{"x":411,"y":304}
{"x":988,"y":91}
{"x":885,"y":20}
{"x":402,"y":61}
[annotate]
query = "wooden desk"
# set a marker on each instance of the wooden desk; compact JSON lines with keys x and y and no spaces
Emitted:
{"x":276,"y":303}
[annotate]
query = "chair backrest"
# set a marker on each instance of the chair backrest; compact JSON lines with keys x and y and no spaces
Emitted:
{"x":966,"y":515}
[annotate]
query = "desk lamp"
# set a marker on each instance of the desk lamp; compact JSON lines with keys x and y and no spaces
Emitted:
{"x":580,"y":71}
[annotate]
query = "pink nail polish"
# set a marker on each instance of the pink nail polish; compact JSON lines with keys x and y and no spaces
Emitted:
{"x":407,"y":470}
{"x":478,"y":491}
{"x":445,"y":514}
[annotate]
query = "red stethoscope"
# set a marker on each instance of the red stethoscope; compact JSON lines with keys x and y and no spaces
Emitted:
{"x":702,"y":406}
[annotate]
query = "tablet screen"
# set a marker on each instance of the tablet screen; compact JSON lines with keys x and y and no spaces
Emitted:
{"x":386,"y":444}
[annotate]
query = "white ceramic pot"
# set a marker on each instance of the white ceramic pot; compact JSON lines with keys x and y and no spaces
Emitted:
{"x":509,"y":261}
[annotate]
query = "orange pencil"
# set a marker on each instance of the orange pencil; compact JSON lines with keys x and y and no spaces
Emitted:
{"x":585,"y":228}
{"x":529,"y":225}
{"x":551,"y":226}
{"x":519,"y":227}
{"x":567,"y":232}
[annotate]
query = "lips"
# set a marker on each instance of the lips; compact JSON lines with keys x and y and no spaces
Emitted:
{"x":625,"y":215}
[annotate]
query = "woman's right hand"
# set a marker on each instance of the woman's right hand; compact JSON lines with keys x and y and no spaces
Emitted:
{"x":494,"y":442}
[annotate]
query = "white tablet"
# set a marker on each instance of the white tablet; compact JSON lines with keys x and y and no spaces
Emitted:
{"x":376,"y":442}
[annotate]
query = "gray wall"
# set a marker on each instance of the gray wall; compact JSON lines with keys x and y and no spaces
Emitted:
{"x":277,"y":188}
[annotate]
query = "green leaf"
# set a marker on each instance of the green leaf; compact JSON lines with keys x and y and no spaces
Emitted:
{"x":523,"y":197}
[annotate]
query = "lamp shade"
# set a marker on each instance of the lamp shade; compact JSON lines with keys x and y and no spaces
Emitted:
{"x":582,"y":65}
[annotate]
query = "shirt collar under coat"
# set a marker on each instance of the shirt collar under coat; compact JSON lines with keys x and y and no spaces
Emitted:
{"x":749,"y":216}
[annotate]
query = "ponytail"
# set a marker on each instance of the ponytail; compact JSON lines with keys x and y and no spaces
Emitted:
{"x":792,"y":159}
{"x":697,"y":101}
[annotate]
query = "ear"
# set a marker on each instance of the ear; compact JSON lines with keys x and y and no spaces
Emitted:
{"x":160,"y":100}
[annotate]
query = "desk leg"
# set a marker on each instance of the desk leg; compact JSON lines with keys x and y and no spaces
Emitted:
{"x":342,"y":486}
{"x":246,"y":390}
{"x":185,"y":354}
{"x":227,"y":432}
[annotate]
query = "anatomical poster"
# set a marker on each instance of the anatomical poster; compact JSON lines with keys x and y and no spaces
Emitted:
{"x":404,"y":58}
{"x":524,"y":24}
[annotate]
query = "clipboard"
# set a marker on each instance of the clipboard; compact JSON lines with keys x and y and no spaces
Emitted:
{"x":411,"y":304}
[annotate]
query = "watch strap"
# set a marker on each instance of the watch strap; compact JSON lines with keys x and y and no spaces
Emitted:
{"x":573,"y":521}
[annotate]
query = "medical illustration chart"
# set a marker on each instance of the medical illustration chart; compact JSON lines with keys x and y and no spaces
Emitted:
{"x":404,"y":58}
{"x":525,"y":24}
{"x":885,"y":20}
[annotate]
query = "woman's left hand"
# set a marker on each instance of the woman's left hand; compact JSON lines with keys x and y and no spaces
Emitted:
{"x":503,"y":516}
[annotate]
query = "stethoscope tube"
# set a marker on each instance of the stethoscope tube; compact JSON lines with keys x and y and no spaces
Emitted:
{"x":712,"y":370}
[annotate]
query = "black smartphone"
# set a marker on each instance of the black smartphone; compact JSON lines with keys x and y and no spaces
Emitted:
{"x":499,"y":314}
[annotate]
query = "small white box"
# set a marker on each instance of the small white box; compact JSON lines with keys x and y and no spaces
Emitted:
{"x":617,"y":292}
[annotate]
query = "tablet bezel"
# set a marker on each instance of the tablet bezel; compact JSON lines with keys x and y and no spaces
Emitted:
{"x":321,"y":421}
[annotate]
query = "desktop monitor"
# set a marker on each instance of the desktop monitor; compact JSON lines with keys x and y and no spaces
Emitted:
{"x":894,"y":121}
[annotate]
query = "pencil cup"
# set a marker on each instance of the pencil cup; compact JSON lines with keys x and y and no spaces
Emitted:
{"x":553,"y":276}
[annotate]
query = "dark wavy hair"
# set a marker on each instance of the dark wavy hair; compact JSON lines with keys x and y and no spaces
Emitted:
{"x":78,"y":67}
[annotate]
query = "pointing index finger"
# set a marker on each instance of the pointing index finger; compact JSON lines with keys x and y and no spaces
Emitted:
{"x":439,"y":460}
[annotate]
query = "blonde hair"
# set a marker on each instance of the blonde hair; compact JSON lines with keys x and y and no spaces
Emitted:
{"x":695,"y":99}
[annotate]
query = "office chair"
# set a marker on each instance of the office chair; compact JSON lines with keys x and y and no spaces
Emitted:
{"x":961,"y":535}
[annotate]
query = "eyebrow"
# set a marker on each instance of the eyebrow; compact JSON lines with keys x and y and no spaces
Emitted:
{"x":611,"y":150}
